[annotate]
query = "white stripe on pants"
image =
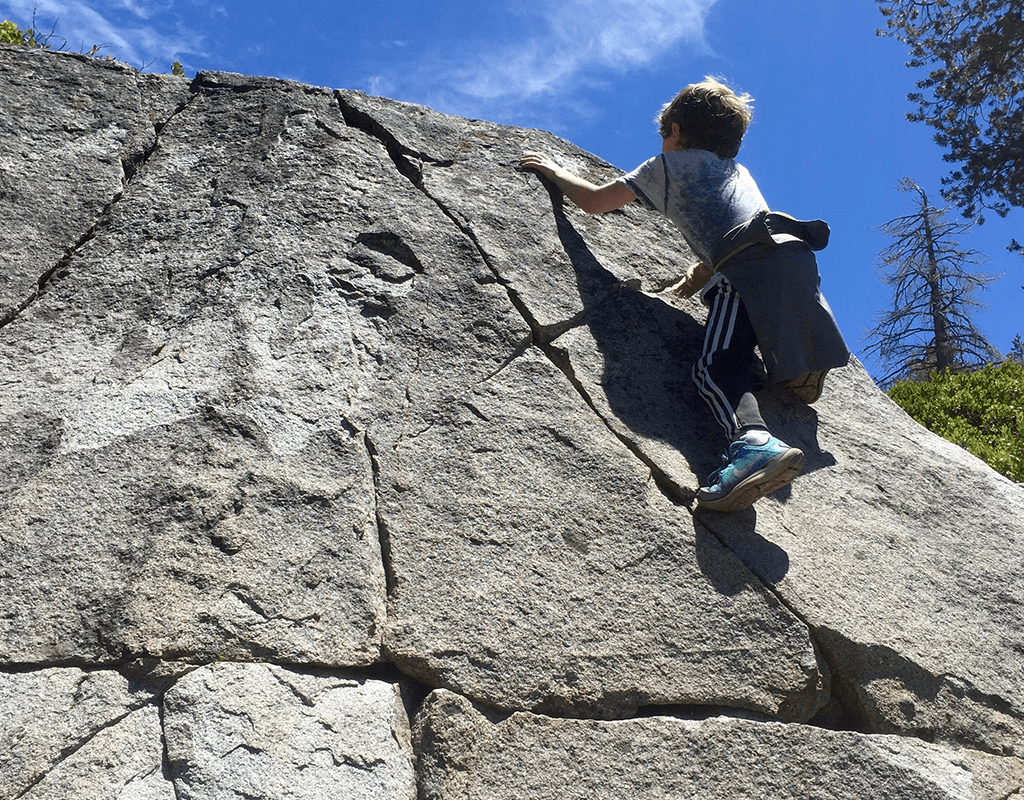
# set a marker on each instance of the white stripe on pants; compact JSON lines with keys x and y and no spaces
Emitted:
{"x":722,"y":373}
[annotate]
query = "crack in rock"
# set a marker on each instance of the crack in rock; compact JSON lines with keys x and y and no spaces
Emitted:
{"x":131,"y":163}
{"x":383,"y":532}
{"x":70,"y":750}
{"x":402,"y":157}
{"x":542,"y":334}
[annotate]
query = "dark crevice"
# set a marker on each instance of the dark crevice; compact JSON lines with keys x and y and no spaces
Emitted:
{"x":404,"y":158}
{"x":59,"y":269}
{"x":389,"y":244}
{"x":701,"y":713}
{"x":383,"y":532}
{"x":133,"y":162}
{"x":249,"y":603}
{"x":542,"y":334}
{"x":323,"y":126}
{"x":167,"y":769}
{"x":130,"y":166}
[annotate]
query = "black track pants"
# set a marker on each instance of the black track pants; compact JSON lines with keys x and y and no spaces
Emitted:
{"x":722,"y":373}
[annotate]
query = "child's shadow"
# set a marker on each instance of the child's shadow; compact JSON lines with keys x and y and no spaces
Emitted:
{"x":648,"y":348}
{"x":736,"y":532}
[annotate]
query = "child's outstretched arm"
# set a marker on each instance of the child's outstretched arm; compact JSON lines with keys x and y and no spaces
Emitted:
{"x":588,"y":196}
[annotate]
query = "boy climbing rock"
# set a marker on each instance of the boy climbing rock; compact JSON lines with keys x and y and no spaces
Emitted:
{"x":757,"y":275}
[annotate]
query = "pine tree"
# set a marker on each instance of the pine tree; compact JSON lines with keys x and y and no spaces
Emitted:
{"x":1017,"y":345}
{"x":929,"y":328}
{"x":1017,"y":349}
{"x":972,"y":95}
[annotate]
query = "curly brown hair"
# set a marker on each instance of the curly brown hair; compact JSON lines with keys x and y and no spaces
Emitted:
{"x":710,"y":115}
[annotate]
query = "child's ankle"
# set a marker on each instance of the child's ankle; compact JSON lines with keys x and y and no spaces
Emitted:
{"x":755,"y":436}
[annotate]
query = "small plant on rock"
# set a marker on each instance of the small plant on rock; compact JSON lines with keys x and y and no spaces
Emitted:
{"x":12,"y":34}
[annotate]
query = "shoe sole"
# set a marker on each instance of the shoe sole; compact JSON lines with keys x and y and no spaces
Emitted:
{"x":807,"y":388}
{"x":771,"y":477}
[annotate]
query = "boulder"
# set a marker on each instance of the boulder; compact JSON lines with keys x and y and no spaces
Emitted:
{"x":313,"y":402}
{"x":260,"y":731}
{"x":467,"y":754}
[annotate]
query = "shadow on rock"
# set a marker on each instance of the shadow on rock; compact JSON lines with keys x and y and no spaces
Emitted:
{"x":762,"y":557}
{"x":639,"y":363}
{"x":644,"y":352}
{"x":797,"y":424}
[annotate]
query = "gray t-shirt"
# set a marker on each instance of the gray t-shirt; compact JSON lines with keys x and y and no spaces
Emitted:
{"x":705,"y":195}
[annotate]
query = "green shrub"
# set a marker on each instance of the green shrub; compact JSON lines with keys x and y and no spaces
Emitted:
{"x":12,"y":34}
{"x":981,"y":411}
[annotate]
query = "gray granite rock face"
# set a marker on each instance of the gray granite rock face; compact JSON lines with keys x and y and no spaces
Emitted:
{"x":306,"y":395}
{"x":199,"y":481}
{"x":67,"y":733}
{"x":466,"y":755}
{"x":539,"y":567}
{"x":72,"y":130}
{"x":259,"y":731}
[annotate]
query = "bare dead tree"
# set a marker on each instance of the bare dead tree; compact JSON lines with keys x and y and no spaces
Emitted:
{"x":929,"y":328}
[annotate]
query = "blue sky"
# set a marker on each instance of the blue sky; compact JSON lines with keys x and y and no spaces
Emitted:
{"x":829,"y":137}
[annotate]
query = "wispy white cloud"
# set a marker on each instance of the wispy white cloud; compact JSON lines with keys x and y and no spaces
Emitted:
{"x":563,"y":49}
{"x":536,"y":65}
{"x":623,"y":33}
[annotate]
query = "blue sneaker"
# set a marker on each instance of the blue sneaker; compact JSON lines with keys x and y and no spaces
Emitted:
{"x":750,"y":472}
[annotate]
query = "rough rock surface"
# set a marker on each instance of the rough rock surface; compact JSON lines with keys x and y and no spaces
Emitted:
{"x":63,"y":729}
{"x":312,"y":402}
{"x":466,"y":755}
{"x":255,"y":730}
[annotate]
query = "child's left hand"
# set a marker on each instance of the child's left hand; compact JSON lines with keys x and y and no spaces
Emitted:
{"x":541,"y":162}
{"x":693,"y":281}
